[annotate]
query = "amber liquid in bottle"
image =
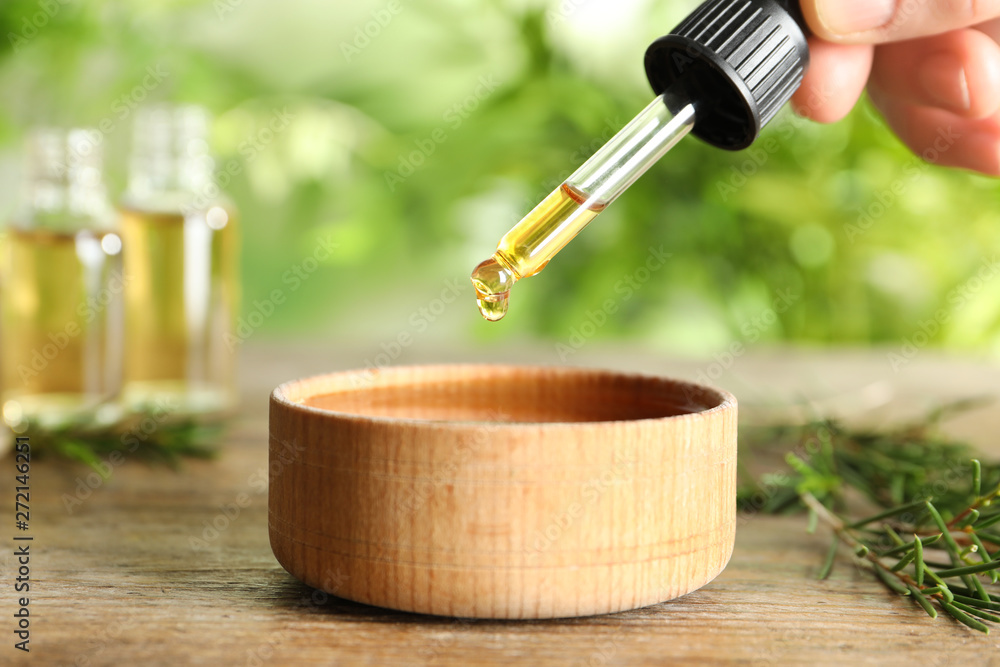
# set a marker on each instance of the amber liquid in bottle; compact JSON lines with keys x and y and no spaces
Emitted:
{"x":61,"y":291}
{"x":181,"y":295}
{"x":528,"y":247}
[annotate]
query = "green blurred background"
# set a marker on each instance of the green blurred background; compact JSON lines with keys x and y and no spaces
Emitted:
{"x":419,"y":131}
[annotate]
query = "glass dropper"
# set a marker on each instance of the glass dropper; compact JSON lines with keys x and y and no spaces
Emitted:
{"x":531,"y":243}
{"x":733,"y":62}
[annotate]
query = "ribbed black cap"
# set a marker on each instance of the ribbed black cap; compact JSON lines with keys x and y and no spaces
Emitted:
{"x":737,"y":61}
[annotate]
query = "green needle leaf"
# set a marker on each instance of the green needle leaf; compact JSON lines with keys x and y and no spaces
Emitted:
{"x":973,"y":582}
{"x":964,"y":618}
{"x":894,"y":536}
{"x":949,"y":541}
{"x":895,"y":511}
{"x":831,"y":555}
{"x":958,"y":590}
{"x":968,"y":519}
{"x":969,"y":569}
{"x":985,"y":615}
{"x":918,"y":560}
{"x":892,"y":582}
{"x":799,"y":465}
{"x":944,"y":589}
{"x":976,"y":602}
{"x":904,"y":561}
{"x":922,"y":601}
{"x":956,"y":557}
{"x":925,"y":541}
{"x":984,"y":555}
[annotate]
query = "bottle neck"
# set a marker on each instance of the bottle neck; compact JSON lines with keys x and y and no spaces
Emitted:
{"x":64,"y":188}
{"x":170,"y":164}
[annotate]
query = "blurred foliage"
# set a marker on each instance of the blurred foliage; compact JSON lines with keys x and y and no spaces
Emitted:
{"x":491,"y":104}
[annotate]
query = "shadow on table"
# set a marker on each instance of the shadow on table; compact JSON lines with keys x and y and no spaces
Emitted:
{"x":292,"y":595}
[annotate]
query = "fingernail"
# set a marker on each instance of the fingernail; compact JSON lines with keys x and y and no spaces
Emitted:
{"x":943,"y":79}
{"x":844,"y":17}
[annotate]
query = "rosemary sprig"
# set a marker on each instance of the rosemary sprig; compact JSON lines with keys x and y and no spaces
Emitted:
{"x":905,"y":573}
{"x":152,"y":436}
{"x":920,"y":484}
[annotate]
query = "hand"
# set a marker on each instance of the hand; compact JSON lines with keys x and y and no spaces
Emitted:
{"x":932,"y":68}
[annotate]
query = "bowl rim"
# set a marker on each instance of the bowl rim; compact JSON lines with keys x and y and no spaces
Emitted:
{"x":727,"y":401}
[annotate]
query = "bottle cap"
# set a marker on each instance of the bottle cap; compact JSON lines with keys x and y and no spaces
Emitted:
{"x":737,"y":61}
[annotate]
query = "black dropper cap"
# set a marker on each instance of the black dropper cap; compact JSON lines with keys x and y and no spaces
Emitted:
{"x":737,"y":61}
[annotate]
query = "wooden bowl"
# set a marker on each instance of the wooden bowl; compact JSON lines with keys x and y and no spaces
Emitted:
{"x":502,"y":492}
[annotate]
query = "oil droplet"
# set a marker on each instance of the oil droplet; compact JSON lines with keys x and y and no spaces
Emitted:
{"x":492,"y":282}
{"x":493,"y":307}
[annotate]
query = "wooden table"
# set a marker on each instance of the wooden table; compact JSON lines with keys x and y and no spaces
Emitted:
{"x":121,"y":579}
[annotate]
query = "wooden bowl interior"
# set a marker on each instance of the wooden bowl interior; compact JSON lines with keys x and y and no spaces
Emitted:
{"x":495,"y":394}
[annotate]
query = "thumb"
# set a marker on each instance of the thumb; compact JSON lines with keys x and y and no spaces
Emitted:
{"x":878,"y":21}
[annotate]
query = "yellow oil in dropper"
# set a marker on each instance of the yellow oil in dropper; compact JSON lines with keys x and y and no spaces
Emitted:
{"x":527,"y":248}
{"x":532,"y":242}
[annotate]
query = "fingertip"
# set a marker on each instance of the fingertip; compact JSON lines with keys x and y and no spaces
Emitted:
{"x":835,"y":80}
{"x":957,"y":71}
{"x":985,"y":157}
{"x":978,"y":152}
{"x":942,"y":138}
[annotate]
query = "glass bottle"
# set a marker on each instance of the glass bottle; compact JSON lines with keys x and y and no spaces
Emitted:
{"x":61,"y":285}
{"x":181,"y":253}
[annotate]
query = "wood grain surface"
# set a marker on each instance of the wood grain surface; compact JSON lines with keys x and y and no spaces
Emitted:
{"x":163,"y":568}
